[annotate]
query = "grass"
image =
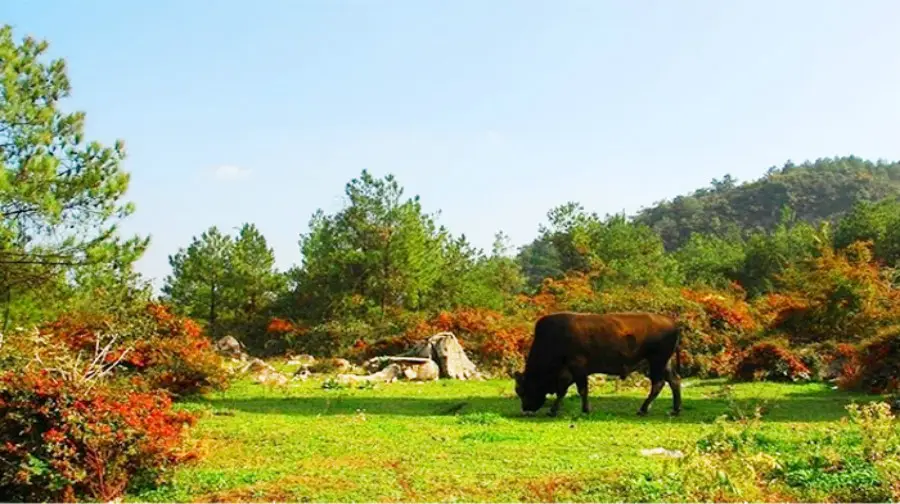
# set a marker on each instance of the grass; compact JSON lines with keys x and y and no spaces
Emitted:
{"x":452,"y":440}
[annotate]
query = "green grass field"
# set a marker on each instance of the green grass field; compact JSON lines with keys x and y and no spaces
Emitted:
{"x":466,"y":441}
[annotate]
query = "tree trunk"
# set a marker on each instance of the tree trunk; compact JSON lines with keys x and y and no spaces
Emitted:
{"x":386,"y":273}
{"x":212,"y":306}
{"x":7,"y":307}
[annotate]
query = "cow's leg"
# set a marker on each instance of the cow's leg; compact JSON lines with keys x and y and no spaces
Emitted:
{"x":582,"y":383}
{"x":675,"y":384}
{"x":657,"y":380}
{"x":563,"y":382}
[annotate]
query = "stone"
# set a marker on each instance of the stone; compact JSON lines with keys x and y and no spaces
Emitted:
{"x":256,"y":366}
{"x":651,"y":452}
{"x":230,"y":345}
{"x":413,"y":368}
{"x":377,"y":363}
{"x":444,"y":349}
{"x":270,"y":377}
{"x":424,"y":371}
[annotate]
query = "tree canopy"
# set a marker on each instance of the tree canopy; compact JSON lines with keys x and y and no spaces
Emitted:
{"x":60,"y":195}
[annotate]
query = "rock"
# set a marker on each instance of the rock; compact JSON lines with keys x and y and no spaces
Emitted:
{"x":413,"y":368}
{"x":424,"y":371}
{"x":445,"y":350}
{"x":257,"y":365}
{"x":230,"y":345}
{"x":264,"y":373}
{"x":377,"y":363}
{"x":270,"y":377}
{"x":417,"y":370}
{"x":662,"y":452}
{"x":388,"y":374}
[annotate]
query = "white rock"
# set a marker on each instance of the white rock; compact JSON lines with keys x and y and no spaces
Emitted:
{"x":650,"y":452}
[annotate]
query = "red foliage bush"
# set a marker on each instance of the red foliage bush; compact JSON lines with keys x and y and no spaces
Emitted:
{"x":167,"y":351}
{"x":280,"y":326}
{"x":62,"y":440}
{"x":770,"y":360}
{"x":875,"y":367}
{"x":723,"y":312}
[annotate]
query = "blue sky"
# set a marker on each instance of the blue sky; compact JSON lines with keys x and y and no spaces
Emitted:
{"x":493,"y":112}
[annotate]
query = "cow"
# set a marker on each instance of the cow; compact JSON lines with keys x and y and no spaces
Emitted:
{"x":570,"y":346}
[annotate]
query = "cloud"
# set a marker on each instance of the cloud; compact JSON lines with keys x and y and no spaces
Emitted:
{"x":228,"y":173}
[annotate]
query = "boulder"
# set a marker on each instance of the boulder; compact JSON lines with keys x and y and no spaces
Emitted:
{"x":396,"y":369}
{"x":377,"y":363}
{"x":425,"y":371}
{"x":270,"y":377}
{"x":229,"y":345}
{"x":444,"y":349}
{"x":257,"y":366}
{"x":413,"y":368}
{"x":264,"y":373}
{"x":387,"y":375}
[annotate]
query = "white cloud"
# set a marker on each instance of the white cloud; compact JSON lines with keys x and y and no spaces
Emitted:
{"x":228,"y":173}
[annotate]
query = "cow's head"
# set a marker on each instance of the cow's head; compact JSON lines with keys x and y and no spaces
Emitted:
{"x":530,"y":394}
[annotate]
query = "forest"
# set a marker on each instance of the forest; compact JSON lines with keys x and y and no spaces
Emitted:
{"x":788,"y":278}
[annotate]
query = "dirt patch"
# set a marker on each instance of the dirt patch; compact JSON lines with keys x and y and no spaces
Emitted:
{"x":552,"y":488}
{"x":258,"y":493}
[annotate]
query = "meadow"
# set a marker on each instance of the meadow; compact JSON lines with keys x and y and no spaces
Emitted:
{"x":466,"y":441}
{"x":113,"y":385}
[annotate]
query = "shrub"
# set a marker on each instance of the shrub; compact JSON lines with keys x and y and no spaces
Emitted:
{"x":771,"y":360}
{"x":723,"y":312}
{"x":830,"y":361}
{"x":876,"y":367}
{"x":490,"y":338}
{"x":167,"y":352}
{"x":837,"y":296}
{"x":332,"y":338}
{"x":62,"y":439}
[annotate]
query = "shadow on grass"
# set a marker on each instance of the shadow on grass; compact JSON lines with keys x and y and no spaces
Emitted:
{"x":804,"y":406}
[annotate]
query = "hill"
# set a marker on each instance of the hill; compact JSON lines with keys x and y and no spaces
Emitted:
{"x":820,"y":190}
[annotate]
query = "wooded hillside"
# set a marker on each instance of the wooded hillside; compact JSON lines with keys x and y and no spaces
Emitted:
{"x":820,"y":190}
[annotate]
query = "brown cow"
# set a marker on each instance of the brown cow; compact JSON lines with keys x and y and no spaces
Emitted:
{"x":568,"y":347}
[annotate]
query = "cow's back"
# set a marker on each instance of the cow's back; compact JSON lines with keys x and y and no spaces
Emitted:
{"x":560,"y":337}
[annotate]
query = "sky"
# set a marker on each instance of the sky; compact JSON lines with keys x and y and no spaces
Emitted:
{"x":492,"y":112}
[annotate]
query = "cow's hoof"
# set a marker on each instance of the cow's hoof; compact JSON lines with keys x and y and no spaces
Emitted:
{"x":674,"y":412}
{"x":586,"y":411}
{"x":642,"y":412}
{"x":552,"y":413}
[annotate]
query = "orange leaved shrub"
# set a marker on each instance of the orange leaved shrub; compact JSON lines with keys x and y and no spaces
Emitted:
{"x":875,"y":366}
{"x":63,"y":440}
{"x":162,"y":350}
{"x":771,"y":360}
{"x":837,"y":296}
